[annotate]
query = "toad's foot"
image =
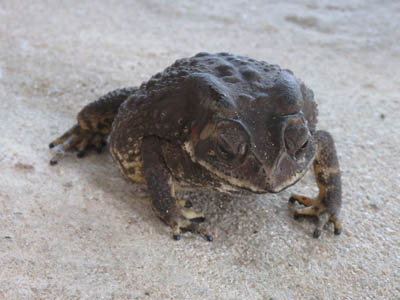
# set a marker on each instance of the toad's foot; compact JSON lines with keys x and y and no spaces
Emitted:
{"x":315,"y":208}
{"x":77,"y":140}
{"x":188,"y":220}
{"x":326,"y":206}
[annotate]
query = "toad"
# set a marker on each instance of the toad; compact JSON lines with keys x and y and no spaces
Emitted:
{"x":218,"y":121}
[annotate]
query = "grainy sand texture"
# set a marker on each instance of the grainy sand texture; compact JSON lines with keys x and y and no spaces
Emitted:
{"x":78,"y":230}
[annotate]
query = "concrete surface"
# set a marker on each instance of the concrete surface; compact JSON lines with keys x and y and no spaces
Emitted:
{"x":79,"y":231}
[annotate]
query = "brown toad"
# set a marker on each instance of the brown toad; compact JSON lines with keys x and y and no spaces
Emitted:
{"x":221,"y":121}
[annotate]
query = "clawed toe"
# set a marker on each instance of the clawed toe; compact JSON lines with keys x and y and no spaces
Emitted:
{"x":185,"y":203}
{"x":318,"y":211}
{"x":301,"y":200}
{"x":316,"y":233}
{"x":323,"y":219}
{"x":176,"y":236}
{"x":177,"y":233}
{"x":76,"y":139}
{"x":53,"y":162}
{"x":189,"y":221}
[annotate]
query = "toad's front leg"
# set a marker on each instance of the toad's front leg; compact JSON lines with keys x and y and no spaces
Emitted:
{"x":326,"y":206}
{"x":175,"y":213}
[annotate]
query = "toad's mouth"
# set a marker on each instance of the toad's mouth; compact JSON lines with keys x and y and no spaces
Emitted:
{"x":232,"y":181}
{"x":259,"y":175}
{"x":262,"y":184}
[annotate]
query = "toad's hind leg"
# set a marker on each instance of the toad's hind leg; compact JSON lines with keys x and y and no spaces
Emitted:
{"x":326,"y":206}
{"x":93,"y":126}
{"x":175,"y":213}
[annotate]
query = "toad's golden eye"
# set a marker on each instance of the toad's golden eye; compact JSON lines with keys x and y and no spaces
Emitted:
{"x":296,"y":136}
{"x":232,"y":140}
{"x":224,"y":148}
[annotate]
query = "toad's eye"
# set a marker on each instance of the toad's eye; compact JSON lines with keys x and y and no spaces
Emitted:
{"x":232,"y":141}
{"x":224,"y":148}
{"x":296,"y":138}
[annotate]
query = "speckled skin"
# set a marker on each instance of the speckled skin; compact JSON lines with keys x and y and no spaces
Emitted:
{"x":219,"y":121}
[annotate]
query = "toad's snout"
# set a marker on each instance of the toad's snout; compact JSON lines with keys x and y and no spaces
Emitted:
{"x":296,"y":152}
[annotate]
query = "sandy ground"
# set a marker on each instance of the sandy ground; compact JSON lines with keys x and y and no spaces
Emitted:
{"x":79,"y":231}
